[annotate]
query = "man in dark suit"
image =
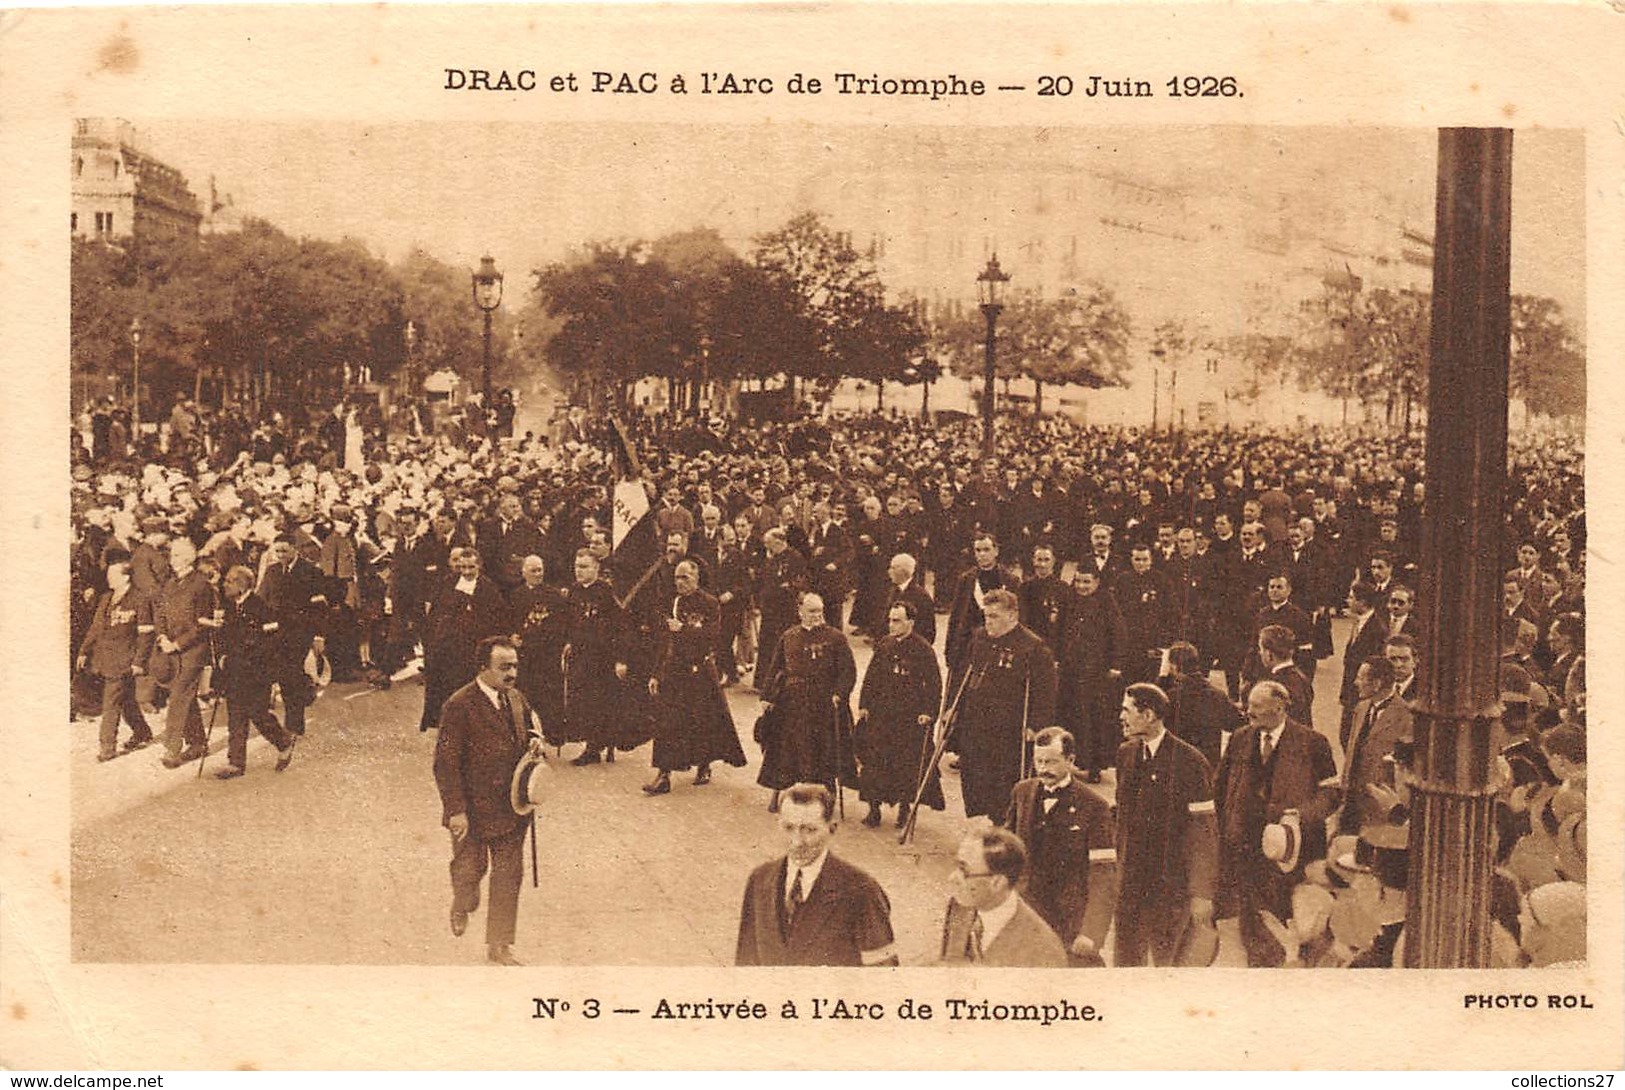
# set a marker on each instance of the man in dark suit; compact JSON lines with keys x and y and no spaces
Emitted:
{"x":115,"y":649}
{"x":988,"y":922}
{"x":1272,"y":766}
{"x":293,"y":588}
{"x":830,"y":556}
{"x":1275,"y":649}
{"x":1101,"y":560}
{"x":1199,"y":711}
{"x":246,"y":642}
{"x":182,"y":605}
{"x":485,"y":728}
{"x":1167,"y":857}
{"x":906,"y":588}
{"x":810,"y":907}
{"x":506,"y":540}
{"x":1071,"y":840}
{"x":1281,"y":609}
{"x":1365,"y":641}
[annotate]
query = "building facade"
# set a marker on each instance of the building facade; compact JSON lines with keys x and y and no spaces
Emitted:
{"x":121,"y":191}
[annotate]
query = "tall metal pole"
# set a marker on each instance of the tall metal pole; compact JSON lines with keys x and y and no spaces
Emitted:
{"x":1458,"y":708}
{"x":1156,"y":390}
{"x":991,"y":311}
{"x":485,"y":394}
{"x":135,"y":382}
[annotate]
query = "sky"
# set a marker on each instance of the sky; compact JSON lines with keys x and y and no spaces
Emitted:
{"x":529,"y":193}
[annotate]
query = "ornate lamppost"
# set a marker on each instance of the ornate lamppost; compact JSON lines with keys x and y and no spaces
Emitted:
{"x":135,"y":380}
{"x":487,"y":296}
{"x":990,"y":294}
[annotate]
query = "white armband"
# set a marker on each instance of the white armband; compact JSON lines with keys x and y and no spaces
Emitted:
{"x":1103,"y":855}
{"x":1332,"y":781}
{"x":878,"y":957}
{"x":1203,"y":807}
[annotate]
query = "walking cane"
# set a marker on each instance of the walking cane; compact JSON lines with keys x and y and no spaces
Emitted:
{"x":535,"y":878}
{"x":208,"y":733}
{"x":835,"y":727}
{"x":945,"y":723}
{"x":564,"y":701}
{"x":214,"y":706}
{"x":1026,"y":715}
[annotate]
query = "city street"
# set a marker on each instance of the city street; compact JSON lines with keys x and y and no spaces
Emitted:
{"x":342,"y":859}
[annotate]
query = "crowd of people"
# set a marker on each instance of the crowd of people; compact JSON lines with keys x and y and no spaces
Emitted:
{"x":1112,"y":637}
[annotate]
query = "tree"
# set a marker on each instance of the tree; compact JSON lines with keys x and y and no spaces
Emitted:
{"x":836,"y":289}
{"x":622,"y":320}
{"x":1548,"y":359}
{"x":1081,"y":339}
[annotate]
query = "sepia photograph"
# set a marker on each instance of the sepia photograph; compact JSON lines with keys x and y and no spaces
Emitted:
{"x":816,"y":545}
{"x":850,"y":538}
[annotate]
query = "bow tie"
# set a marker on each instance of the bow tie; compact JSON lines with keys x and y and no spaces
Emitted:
{"x":1052,"y":792}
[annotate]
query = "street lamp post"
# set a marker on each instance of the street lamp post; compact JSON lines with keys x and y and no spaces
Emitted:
{"x":487,"y":296}
{"x":411,"y":359}
{"x":135,"y":380}
{"x":990,"y":294}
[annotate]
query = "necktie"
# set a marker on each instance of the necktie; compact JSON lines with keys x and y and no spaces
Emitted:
{"x":973,"y":941}
{"x":797,"y":898}
{"x":1267,"y":748}
{"x":507,"y":709}
{"x":321,"y":665}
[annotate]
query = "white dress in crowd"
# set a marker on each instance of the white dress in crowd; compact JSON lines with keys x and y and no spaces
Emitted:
{"x":352,"y":443}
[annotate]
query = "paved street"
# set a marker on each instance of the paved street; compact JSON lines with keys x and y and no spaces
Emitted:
{"x":342,"y":859}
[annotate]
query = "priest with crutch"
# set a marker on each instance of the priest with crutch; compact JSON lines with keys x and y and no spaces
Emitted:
{"x":1009,"y":695}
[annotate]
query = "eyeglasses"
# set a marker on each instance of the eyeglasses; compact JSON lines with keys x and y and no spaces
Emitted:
{"x":959,"y":869}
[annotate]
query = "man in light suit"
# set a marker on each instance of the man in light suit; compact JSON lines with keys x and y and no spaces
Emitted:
{"x":1380,"y":720}
{"x":810,"y":907}
{"x":1071,"y":878}
{"x":485,"y":728}
{"x":988,"y":923}
{"x":1272,"y":765}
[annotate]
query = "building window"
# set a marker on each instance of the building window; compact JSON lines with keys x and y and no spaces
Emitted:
{"x":78,"y":166}
{"x":73,"y":222}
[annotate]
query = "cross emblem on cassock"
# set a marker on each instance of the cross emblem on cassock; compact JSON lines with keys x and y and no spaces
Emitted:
{"x":588,"y":611}
{"x":815,"y":651}
{"x":1007,"y":658}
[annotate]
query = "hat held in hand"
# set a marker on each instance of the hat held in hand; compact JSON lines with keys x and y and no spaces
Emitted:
{"x":525,"y":790}
{"x":1282,"y":841}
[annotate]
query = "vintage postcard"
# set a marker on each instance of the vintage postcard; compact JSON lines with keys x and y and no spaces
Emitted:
{"x":794,"y":537}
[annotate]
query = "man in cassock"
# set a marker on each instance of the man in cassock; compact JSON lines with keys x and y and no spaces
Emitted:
{"x":779,"y":585}
{"x":1009,"y":694}
{"x":693,"y":726}
{"x":902,"y":692}
{"x":539,"y":611}
{"x":465,"y":612}
{"x":1044,"y":598}
{"x":807,"y":703}
{"x":965,"y":614}
{"x":1090,"y":654}
{"x":594,"y":663}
